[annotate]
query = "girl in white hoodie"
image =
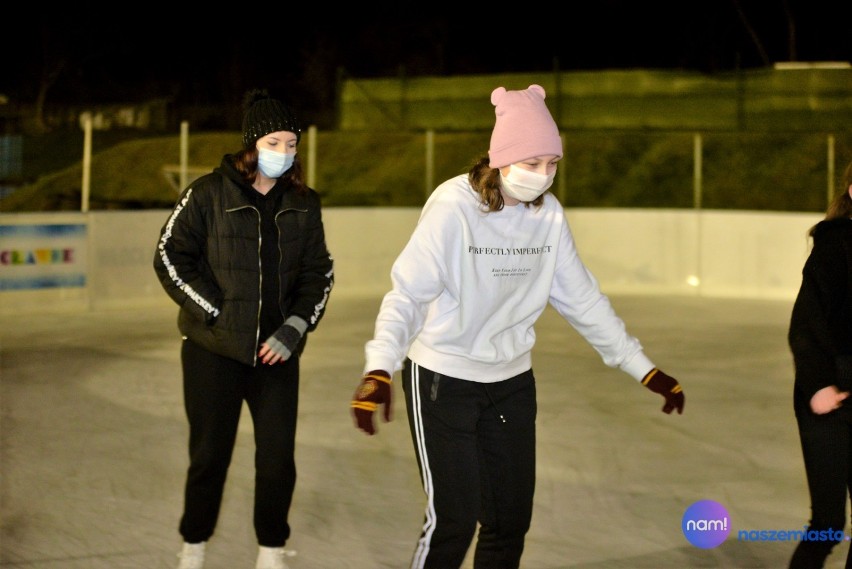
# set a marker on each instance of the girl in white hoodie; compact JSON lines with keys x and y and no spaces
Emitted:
{"x":491,"y":249}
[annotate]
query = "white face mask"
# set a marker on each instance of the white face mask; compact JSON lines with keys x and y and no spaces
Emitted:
{"x":524,"y":185}
{"x":273,"y":164}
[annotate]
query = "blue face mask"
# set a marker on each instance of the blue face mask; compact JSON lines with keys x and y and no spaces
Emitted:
{"x":273,"y":164}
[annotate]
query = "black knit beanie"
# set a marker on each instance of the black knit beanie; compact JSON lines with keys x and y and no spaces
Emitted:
{"x":262,"y":114}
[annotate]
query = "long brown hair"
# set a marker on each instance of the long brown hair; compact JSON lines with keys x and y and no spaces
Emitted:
{"x":841,"y":205}
{"x":245,"y":161}
{"x":485,"y":180}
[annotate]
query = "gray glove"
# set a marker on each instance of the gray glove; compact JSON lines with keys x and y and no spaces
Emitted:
{"x":285,"y":340}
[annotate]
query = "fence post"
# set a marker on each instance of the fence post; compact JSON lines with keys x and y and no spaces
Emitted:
{"x":694,"y":280}
{"x":184,"y":154}
{"x":830,"y":169}
{"x":312,"y":156}
{"x":696,"y":171}
{"x":430,"y":164}
{"x":560,"y":178}
{"x":86,"y":182}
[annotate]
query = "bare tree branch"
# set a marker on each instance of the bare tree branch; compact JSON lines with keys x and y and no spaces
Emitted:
{"x":752,"y":33}
{"x":792,"y":54}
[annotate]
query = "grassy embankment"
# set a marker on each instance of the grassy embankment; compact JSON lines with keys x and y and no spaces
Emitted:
{"x":776,"y":172}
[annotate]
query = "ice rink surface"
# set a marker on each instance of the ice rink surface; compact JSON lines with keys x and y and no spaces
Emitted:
{"x":94,"y":442}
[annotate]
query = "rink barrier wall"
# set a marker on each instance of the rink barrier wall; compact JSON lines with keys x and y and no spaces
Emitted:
{"x":104,"y":259}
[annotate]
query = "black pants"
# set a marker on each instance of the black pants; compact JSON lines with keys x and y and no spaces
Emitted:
{"x":214,"y":390}
{"x":475,"y":446}
{"x":827,"y":454}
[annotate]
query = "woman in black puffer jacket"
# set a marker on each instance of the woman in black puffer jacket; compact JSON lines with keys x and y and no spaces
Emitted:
{"x":243,"y":254}
{"x":820,"y":338}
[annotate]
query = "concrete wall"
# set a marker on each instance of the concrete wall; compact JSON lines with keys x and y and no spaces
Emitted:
{"x":683,"y":252}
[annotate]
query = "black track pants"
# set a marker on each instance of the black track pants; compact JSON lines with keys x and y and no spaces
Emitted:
{"x":827,"y":451}
{"x":475,"y":446}
{"x":214,"y":390}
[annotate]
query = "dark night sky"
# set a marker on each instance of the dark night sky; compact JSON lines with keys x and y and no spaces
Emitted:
{"x":157,"y":49}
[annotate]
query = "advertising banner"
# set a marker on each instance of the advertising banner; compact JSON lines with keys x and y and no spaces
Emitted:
{"x":42,"y":256}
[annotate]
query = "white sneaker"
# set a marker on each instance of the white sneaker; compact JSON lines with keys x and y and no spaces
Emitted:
{"x":192,"y":556}
{"x":273,"y":557}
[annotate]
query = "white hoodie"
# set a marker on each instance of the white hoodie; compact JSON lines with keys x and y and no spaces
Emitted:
{"x":470,"y":284}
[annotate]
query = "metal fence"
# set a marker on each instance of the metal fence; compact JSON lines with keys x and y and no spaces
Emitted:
{"x":768,"y":171}
{"x":758,"y":171}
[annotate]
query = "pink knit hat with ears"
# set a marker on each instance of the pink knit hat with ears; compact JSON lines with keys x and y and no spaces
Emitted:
{"x":524,"y":127}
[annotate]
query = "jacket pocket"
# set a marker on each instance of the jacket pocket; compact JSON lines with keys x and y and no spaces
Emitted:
{"x":433,"y":390}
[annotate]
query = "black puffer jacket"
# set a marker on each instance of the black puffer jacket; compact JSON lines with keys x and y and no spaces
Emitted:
{"x":208,"y":261}
{"x":820,"y":334}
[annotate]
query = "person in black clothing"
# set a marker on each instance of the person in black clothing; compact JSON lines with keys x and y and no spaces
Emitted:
{"x":820,"y":338}
{"x":243,"y":254}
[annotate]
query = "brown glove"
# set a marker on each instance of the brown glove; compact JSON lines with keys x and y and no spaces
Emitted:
{"x":668,"y":387}
{"x":374,"y":390}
